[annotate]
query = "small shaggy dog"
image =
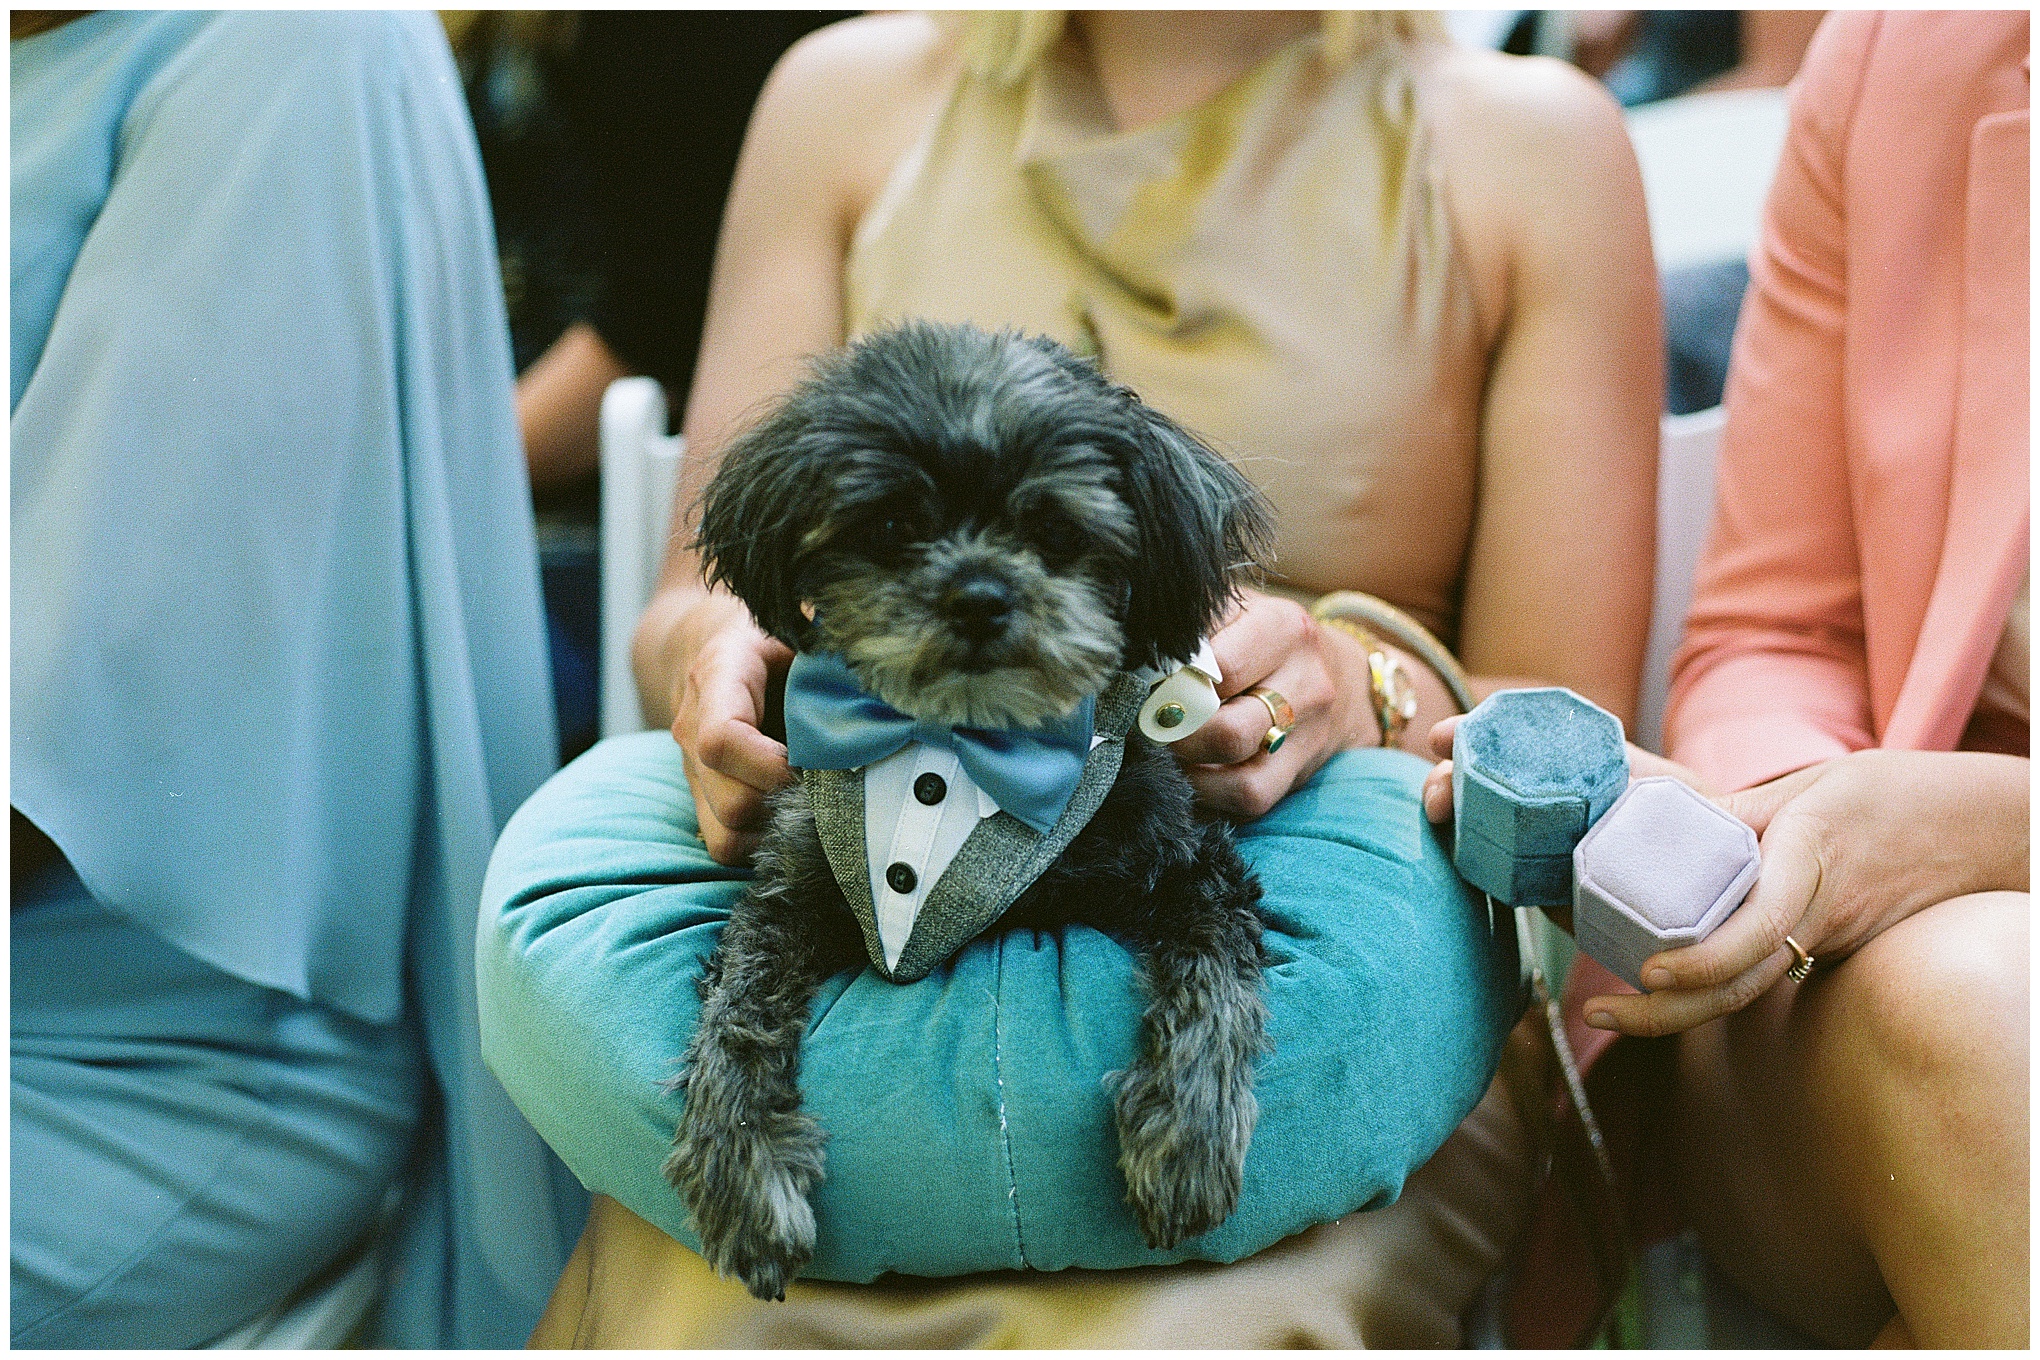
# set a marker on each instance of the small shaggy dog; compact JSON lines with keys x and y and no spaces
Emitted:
{"x":978,"y":538}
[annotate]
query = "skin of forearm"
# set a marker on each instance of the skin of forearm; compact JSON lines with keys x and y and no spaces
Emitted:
{"x":559,"y":405}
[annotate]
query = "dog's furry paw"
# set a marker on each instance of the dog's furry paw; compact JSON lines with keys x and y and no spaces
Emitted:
{"x":746,"y":1184}
{"x":1182,"y":1148}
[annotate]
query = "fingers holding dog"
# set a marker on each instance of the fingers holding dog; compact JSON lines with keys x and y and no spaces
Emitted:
{"x":725,"y":843}
{"x":1253,"y":644}
{"x":732,"y":765}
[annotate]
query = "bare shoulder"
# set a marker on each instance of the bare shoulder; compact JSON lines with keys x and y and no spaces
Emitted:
{"x":1483,"y":102}
{"x":1533,"y":152}
{"x":868,"y":62}
{"x":848,"y":100}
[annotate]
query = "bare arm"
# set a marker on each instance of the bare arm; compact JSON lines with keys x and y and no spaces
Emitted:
{"x":559,"y":405}
{"x":1558,"y":577}
{"x":838,"y":110}
{"x":1545,"y":187}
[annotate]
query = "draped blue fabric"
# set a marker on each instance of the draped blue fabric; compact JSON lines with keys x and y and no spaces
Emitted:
{"x":277,"y":655}
{"x":184,"y":1147}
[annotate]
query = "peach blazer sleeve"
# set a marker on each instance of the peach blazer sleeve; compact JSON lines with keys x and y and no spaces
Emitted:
{"x":1871,"y":497}
{"x":1771,"y":676}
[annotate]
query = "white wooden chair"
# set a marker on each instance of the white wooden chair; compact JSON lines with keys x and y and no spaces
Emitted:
{"x":323,"y":1318}
{"x":329,"y":1311}
{"x":640,"y":463}
{"x":1685,"y":500}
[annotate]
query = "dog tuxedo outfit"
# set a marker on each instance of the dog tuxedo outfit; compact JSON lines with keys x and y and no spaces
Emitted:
{"x":933,"y":832}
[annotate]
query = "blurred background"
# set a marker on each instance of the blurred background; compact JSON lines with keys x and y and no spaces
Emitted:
{"x":608,"y":138}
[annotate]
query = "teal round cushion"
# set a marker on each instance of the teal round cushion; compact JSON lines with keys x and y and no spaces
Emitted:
{"x":969,"y":1126}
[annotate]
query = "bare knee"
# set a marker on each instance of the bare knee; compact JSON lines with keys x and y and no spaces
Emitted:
{"x":1939,"y":998}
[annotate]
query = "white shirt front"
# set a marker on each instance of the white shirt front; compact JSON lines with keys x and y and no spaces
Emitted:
{"x":919,"y":808}
{"x":902,"y":828}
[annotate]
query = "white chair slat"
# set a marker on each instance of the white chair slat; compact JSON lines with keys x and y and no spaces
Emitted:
{"x":640,"y":464}
{"x":1685,"y":494}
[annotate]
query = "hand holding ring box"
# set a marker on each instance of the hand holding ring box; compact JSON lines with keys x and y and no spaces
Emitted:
{"x":1544,"y":813}
{"x":1661,"y":870}
{"x":1532,"y":769}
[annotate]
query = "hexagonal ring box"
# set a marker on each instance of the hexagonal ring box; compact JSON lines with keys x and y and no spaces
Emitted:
{"x":1661,"y":870}
{"x":1532,"y":769}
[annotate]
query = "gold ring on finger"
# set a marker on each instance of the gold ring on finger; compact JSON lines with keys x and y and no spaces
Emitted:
{"x":1281,"y":717}
{"x":1802,"y":962}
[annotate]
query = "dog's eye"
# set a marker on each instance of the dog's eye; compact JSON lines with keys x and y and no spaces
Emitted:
{"x":895,"y":529}
{"x":1057,"y":539}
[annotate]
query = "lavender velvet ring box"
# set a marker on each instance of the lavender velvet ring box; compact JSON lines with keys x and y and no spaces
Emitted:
{"x":1661,"y":870}
{"x":1532,"y":769}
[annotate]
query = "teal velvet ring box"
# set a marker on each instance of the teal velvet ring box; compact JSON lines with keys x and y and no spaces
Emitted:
{"x":1661,"y":870}
{"x":1532,"y":769}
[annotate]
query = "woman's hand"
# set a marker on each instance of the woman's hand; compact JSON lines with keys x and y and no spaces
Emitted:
{"x":1850,"y":847}
{"x":720,"y":702}
{"x":1274,"y":642}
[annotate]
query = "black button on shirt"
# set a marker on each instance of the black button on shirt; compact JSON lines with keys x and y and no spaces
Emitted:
{"x":930,"y":789}
{"x":901,"y":877}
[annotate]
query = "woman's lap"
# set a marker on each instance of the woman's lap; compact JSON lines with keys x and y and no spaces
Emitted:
{"x":972,"y":1101}
{"x":1399,"y":1277}
{"x":186,"y":1148}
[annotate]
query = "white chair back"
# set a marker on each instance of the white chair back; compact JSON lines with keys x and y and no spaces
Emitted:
{"x":329,"y":1311}
{"x":640,"y":463}
{"x":322,"y":1319}
{"x":1707,"y":161}
{"x":1685,"y":496}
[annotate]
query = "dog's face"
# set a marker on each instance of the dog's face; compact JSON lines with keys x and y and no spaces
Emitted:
{"x":983,"y":526}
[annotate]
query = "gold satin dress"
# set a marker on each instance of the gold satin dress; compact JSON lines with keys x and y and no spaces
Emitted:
{"x":1277,"y":270}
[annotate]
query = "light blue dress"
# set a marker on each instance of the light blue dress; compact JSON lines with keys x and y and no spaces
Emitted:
{"x":278,"y":670}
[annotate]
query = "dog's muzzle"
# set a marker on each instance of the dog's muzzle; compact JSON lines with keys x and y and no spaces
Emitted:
{"x":980,"y":607}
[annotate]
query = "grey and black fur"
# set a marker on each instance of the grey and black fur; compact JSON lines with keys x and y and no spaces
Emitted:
{"x":987,"y":530}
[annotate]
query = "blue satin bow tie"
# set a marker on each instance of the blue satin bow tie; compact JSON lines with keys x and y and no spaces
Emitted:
{"x":833,"y":723}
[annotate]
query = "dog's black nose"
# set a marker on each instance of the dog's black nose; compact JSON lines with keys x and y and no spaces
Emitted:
{"x":979,"y":606}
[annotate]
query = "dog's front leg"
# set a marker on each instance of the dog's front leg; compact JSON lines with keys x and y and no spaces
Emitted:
{"x":746,"y":1154}
{"x":1186,"y":1107}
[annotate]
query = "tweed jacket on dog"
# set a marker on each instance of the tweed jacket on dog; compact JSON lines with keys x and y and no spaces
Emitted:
{"x":999,"y":860}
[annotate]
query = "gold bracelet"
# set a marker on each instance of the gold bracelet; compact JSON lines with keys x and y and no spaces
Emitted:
{"x":1394,"y":694}
{"x":1377,"y":615}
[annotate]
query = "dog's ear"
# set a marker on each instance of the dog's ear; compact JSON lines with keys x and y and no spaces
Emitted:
{"x":1204,"y":528}
{"x":755,"y":513}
